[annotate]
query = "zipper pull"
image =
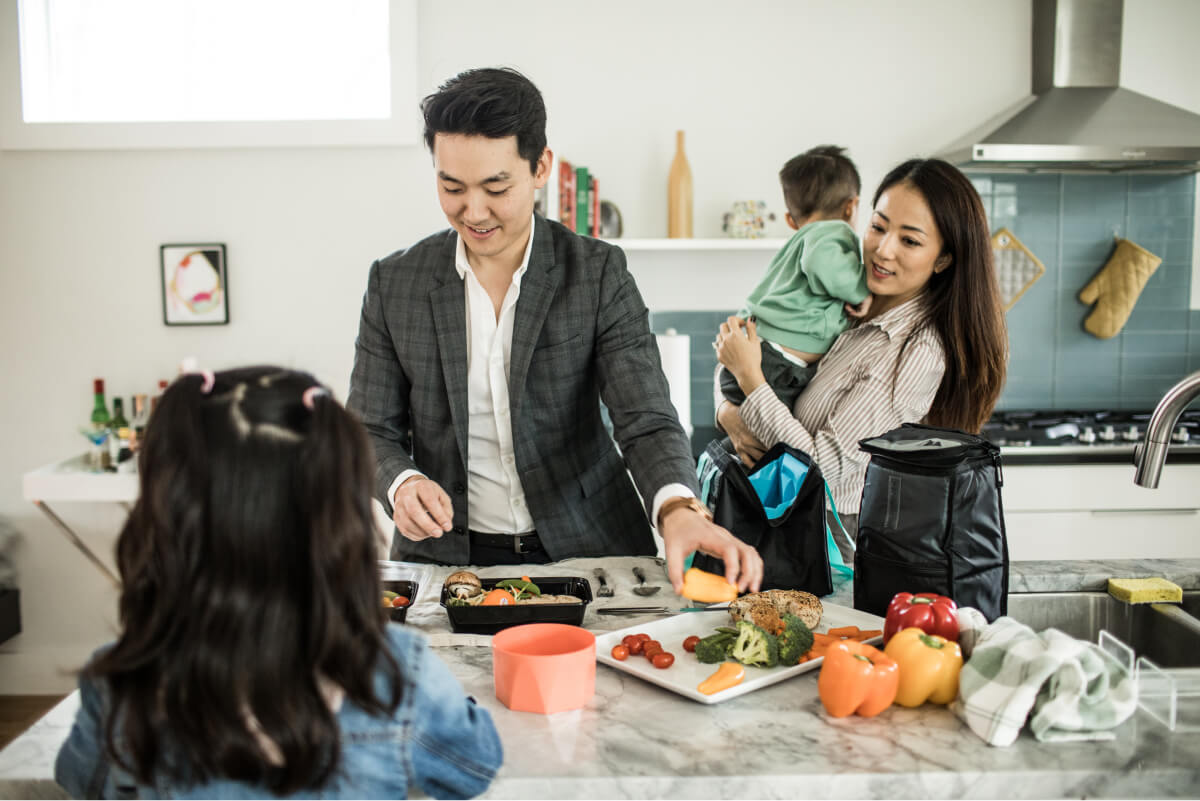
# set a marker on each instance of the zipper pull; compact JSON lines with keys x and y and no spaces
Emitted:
{"x":999,"y":469}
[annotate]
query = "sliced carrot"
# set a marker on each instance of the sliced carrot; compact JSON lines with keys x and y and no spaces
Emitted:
{"x":823,"y":639}
{"x":866,"y":635}
{"x":844,"y":631}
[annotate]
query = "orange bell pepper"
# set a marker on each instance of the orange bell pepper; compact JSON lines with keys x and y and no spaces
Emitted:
{"x":929,"y":667}
{"x":856,"y":678}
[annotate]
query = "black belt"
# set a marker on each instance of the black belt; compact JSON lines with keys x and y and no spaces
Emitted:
{"x":517,"y":543}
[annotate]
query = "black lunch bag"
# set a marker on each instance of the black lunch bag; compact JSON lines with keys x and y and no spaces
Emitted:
{"x":788,"y":530}
{"x":931,"y":520}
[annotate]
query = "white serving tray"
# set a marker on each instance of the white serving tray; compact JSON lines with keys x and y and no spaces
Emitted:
{"x":686,"y":673}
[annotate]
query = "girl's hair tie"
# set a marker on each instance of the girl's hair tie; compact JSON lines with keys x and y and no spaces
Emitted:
{"x":209,"y":381}
{"x":311,"y":394}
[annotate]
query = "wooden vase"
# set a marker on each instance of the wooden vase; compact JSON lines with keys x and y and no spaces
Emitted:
{"x":679,"y":194}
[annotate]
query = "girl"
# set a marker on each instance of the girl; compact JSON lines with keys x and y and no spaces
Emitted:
{"x":254,"y":659}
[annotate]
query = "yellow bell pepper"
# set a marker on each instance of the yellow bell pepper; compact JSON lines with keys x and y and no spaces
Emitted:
{"x":929,"y":667}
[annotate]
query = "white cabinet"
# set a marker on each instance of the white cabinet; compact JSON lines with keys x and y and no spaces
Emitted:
{"x":1095,"y":511}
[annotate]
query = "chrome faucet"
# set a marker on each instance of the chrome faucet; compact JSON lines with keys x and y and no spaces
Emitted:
{"x":1152,"y":452}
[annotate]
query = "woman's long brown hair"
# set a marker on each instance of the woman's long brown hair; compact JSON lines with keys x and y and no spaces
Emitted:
{"x":963,"y":300}
{"x":249,"y":570}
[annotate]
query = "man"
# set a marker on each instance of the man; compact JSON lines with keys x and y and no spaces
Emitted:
{"x":483,"y":354}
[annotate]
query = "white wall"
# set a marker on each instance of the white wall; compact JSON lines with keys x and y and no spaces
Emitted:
{"x":751,"y":83}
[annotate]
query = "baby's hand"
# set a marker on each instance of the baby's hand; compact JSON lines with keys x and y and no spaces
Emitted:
{"x":861,"y":310}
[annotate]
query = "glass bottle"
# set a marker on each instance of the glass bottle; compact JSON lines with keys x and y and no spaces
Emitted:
{"x":98,"y":432}
{"x":679,"y":194}
{"x":140,"y":407}
{"x":119,"y":448}
{"x":100,"y":416}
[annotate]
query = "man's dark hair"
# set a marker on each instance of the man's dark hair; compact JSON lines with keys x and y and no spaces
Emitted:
{"x":820,"y":180}
{"x":492,"y":102}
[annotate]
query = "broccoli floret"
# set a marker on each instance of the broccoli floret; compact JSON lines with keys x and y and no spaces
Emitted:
{"x":795,"y":640}
{"x":755,"y":646}
{"x":714,"y":648}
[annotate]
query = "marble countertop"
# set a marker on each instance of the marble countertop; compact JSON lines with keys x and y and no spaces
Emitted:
{"x":636,"y":740}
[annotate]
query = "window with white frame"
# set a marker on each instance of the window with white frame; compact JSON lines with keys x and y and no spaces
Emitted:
{"x":188,"y":73}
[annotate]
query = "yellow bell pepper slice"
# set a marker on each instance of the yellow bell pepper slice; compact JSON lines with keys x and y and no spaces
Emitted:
{"x":929,"y":667}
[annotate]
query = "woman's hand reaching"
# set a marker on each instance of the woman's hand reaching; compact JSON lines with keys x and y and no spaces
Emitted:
{"x":739,"y":349}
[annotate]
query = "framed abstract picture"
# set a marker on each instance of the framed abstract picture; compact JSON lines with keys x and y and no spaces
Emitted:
{"x":194,"y":286}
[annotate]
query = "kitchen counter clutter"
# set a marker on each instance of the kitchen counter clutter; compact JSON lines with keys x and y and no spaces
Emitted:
{"x":637,"y":740}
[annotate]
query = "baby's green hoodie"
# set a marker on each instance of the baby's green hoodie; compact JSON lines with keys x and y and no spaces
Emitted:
{"x":799,"y":301}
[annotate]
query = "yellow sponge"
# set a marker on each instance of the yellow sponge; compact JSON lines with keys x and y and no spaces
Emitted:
{"x":1144,"y":590}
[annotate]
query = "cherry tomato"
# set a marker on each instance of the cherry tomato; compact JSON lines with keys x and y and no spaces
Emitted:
{"x":649,"y":649}
{"x":628,"y":640}
{"x":620,"y":652}
{"x":689,"y":644}
{"x":635,"y":647}
{"x":497,"y":597}
{"x":663,"y":659}
{"x":399,"y":601}
{"x":642,"y":637}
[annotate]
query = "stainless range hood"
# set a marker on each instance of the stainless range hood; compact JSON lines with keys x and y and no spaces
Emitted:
{"x":1079,"y":118}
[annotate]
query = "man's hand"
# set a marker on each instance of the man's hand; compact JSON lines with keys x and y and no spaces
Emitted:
{"x":748,"y":447}
{"x":421,"y":509}
{"x":684,"y":531}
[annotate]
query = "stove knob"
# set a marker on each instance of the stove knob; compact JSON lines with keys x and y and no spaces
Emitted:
{"x":1087,"y":436}
{"x":1131,"y":435}
{"x":1180,"y":435}
{"x":1108,"y":433}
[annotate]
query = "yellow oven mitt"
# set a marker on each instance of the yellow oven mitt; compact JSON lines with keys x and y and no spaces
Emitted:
{"x":1116,"y":287}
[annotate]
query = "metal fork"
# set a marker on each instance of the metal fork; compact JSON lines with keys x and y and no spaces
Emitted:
{"x":605,"y":591}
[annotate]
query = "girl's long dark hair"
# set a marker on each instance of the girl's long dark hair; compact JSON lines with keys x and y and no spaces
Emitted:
{"x":249,"y":569}
{"x":963,"y":300}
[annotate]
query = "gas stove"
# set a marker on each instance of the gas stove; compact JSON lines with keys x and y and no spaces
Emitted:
{"x":1104,"y":435}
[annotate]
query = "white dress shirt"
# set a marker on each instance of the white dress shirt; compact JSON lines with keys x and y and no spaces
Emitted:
{"x":495,"y":499}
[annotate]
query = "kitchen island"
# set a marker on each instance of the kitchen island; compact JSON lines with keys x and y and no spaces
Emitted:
{"x":636,"y":740}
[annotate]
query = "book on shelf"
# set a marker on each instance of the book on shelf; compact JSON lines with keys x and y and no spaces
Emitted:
{"x":566,"y":194}
{"x":583,"y":204}
{"x":595,"y":216}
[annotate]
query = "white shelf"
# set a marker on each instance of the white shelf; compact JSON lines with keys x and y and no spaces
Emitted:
{"x":70,"y":480}
{"x":698,"y":244}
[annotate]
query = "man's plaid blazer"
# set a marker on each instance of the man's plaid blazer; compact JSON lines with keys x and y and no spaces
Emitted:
{"x":581,"y":335}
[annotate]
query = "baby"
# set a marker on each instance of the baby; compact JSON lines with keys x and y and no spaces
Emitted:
{"x":816,"y":280}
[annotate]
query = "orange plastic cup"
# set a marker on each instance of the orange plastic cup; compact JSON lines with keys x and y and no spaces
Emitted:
{"x":544,"y":667}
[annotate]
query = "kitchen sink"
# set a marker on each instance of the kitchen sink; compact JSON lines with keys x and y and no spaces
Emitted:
{"x":1164,"y":633}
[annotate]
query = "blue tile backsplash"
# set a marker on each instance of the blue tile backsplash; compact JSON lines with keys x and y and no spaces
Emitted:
{"x":1068,"y":222}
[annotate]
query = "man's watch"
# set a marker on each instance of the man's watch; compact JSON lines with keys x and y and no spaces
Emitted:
{"x":671,"y":504}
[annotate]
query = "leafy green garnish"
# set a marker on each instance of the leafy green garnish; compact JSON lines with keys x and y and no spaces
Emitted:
{"x":519,"y":587}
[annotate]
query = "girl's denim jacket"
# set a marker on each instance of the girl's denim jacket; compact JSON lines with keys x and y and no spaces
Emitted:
{"x":438,"y":741}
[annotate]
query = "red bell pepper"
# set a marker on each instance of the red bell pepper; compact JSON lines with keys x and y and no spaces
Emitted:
{"x":931,"y":613}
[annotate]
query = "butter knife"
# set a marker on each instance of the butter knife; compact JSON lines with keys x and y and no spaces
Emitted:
{"x":652,"y":610}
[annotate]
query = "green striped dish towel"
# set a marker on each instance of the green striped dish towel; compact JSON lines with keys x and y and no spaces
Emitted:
{"x":1066,"y":689}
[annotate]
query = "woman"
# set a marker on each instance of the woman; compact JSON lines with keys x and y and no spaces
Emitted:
{"x":254,"y":659}
{"x":932,"y":348}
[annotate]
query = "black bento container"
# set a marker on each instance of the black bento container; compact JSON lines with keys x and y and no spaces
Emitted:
{"x":409,"y":589}
{"x":490,"y":619}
